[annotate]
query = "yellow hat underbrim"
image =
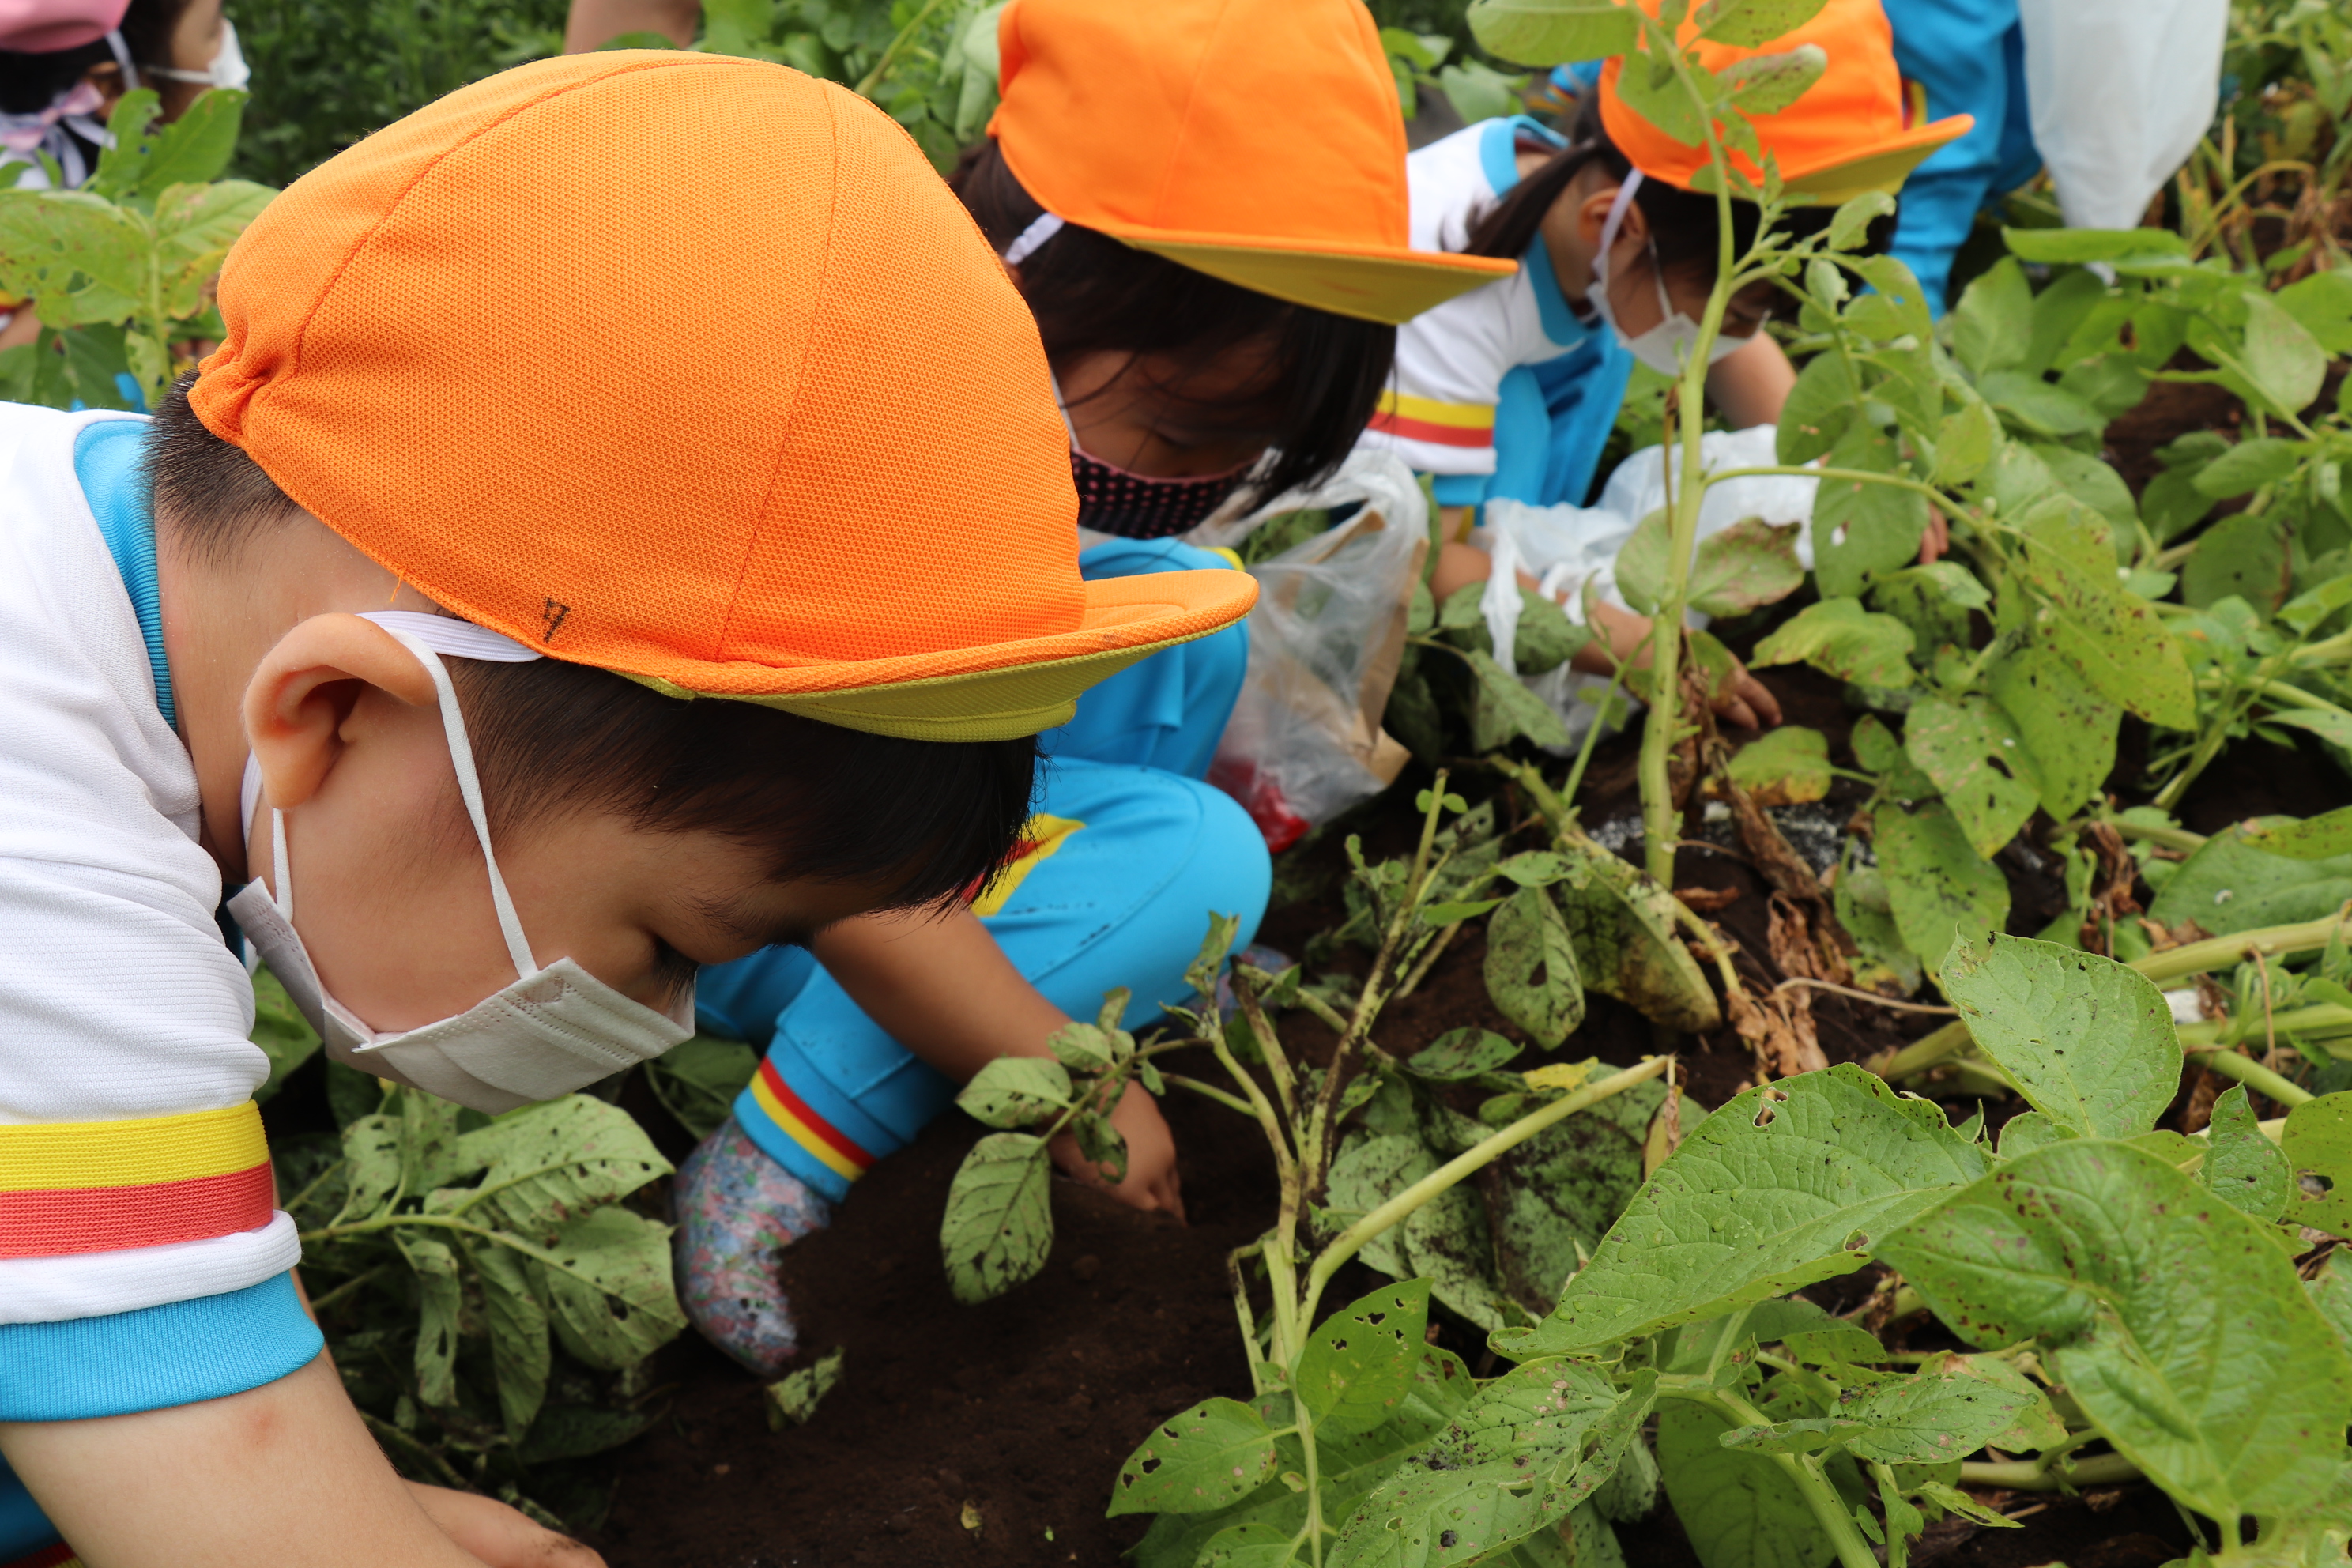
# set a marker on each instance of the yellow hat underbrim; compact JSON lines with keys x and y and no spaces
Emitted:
{"x":1018,"y":696}
{"x":1882,"y":168}
{"x":1372,"y":284}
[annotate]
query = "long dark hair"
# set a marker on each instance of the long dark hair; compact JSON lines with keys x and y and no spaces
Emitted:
{"x":1683,"y":223}
{"x":1093,"y":294}
{"x":30,"y":83}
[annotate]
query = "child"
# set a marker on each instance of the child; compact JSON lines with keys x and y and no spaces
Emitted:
{"x":1203,"y":204}
{"x":1617,"y":255}
{"x":720,"y":643}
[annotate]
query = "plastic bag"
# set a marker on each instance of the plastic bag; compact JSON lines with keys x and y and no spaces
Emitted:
{"x":2120,"y":91}
{"x":1572,"y":550}
{"x":1305,"y":742}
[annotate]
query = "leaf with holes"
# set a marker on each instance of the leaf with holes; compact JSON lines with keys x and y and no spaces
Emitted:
{"x":610,"y":1286}
{"x":2244,"y":1169}
{"x":2065,"y":730}
{"x":998,"y":1223}
{"x":2115,"y":640}
{"x":1627,"y":944}
{"x":550,"y":1164}
{"x":1923,"y":1419}
{"x":1531,"y":971}
{"x":2319,"y":1142}
{"x":1016,"y":1091}
{"x":1935,"y":882}
{"x":436,"y":1320}
{"x":1788,"y":1184}
{"x":1214,"y":1453}
{"x":1971,"y":751}
{"x":2090,"y":1041}
{"x":2172,"y":1320}
{"x":1359,"y":1360}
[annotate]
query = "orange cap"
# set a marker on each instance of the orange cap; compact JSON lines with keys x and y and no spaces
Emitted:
{"x":689,"y":368}
{"x":1255,"y":141}
{"x":1852,"y":132}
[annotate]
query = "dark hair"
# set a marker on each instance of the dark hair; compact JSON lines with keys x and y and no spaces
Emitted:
{"x":924,"y":819}
{"x":1683,"y":223}
{"x":1092,"y":294}
{"x":29,"y":83}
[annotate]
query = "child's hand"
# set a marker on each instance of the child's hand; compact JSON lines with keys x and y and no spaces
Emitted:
{"x":1740,"y":699}
{"x":498,"y":1535}
{"x":1151,"y":1182}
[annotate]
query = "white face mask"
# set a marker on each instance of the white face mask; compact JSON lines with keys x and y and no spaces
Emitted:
{"x":1665,"y":348}
{"x":553,"y":1030}
{"x":228,"y":68}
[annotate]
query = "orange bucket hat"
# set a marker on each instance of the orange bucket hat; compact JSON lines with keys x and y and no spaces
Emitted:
{"x":688,"y":368}
{"x":1853,"y":131}
{"x":1255,"y":141}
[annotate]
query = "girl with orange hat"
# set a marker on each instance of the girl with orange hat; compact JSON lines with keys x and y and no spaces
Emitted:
{"x":1512,"y":391}
{"x":1203,"y":204}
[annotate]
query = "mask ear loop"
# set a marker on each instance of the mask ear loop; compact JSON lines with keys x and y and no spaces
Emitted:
{"x":469,"y":786}
{"x":1615,"y":221}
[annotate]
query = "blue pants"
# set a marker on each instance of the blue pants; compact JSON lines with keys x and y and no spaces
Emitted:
{"x":1127,"y":857}
{"x":1970,"y":56}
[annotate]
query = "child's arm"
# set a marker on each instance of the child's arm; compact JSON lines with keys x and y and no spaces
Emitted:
{"x":282,"y":1473}
{"x":942,"y":988}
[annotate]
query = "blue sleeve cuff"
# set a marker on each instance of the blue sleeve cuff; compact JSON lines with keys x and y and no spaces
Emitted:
{"x":182,"y":1352}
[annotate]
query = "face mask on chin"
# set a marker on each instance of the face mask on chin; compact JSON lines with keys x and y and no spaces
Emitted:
{"x":554,"y":1029}
{"x":1665,"y":348}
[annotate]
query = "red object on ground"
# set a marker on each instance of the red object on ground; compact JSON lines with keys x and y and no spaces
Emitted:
{"x":1263,"y":799}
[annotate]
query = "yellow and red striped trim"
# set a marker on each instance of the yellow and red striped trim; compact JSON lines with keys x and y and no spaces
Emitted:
{"x":57,"y":1556}
{"x":101,"y":1186}
{"x":1440,"y":423}
{"x":1041,"y":838}
{"x":827,"y":1144}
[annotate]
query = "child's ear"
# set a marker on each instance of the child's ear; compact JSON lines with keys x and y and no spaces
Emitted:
{"x":1592,"y":217}
{"x":305,"y":688}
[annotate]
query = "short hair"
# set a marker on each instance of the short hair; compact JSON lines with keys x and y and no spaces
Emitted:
{"x":1093,"y":294}
{"x":922,"y":819}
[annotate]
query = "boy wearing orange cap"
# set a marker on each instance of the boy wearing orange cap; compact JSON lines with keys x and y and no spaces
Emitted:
{"x":1203,"y":204}
{"x":551,"y":696}
{"x":1512,"y":391}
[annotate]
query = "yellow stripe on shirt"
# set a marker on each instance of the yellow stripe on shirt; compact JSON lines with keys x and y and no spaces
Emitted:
{"x":1429,"y":411}
{"x":63,"y":1156}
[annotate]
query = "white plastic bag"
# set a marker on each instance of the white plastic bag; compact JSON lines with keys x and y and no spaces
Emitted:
{"x":1572,"y":550}
{"x":2120,"y":92}
{"x":1305,"y":742}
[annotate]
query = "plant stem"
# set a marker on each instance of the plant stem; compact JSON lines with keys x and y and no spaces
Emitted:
{"x":1428,"y":960}
{"x":882,"y":66}
{"x":1210,"y":1091}
{"x":2149,"y":833}
{"x":1351,"y":1241}
{"x":321,"y":1303}
{"x":1861,"y":476}
{"x":2035,"y":1476}
{"x":1617,"y":667}
{"x":1269,"y":1045}
{"x":1829,"y":1510}
{"x":2256,"y":1077}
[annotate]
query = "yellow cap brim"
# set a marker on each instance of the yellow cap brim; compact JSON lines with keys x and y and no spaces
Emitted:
{"x":1882,"y":168}
{"x":1031,"y":687}
{"x":1370,"y":283}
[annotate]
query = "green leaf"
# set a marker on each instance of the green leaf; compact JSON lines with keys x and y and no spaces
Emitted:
{"x":2319,"y":1142}
{"x":46,"y":236}
{"x":2322,"y":303}
{"x":1860,"y":527}
{"x":1016,"y":1091}
{"x":1083,"y":1047}
{"x":1478,"y":92}
{"x":1531,"y":970}
{"x":1850,"y":226}
{"x":1820,"y":408}
{"x":371,"y":1146}
{"x":1738,"y":1510}
{"x":2079,"y":246}
{"x":1922,"y":1419}
{"x":1767,"y":84}
{"x":2330,"y":1286}
{"x":570,"y":1432}
{"x":998,"y":1223}
{"x":2251,"y":463}
{"x":1627,"y":942}
{"x":1788,"y":1184}
{"x":436,"y":1319}
{"x":2066,"y":730}
{"x":196,"y":147}
{"x":1840,"y":637}
{"x":2284,"y":362}
{"x":1968,"y":747}
{"x":1553,"y":1198}
{"x":2245,"y":1169}
{"x":1935,"y":883}
{"x":194,"y":227}
{"x":2042,"y":409}
{"x":2227,"y":885}
{"x":2114,"y":639}
{"x":1360,"y":1362}
{"x":794,"y":1398}
{"x":2247,"y":556}
{"x":610,"y":1288}
{"x":1787,"y":766}
{"x":1459,"y":1054}
{"x":1216,"y":1453}
{"x":696,"y":1080}
{"x":1992,"y":326}
{"x":2172,"y":1320}
{"x":1752,"y":24}
{"x":284,"y":1036}
{"x":1552,"y":32}
{"x":2090,"y":1041}
{"x":1965,"y":442}
{"x":521,"y":1355}
{"x":2321,"y":837}
{"x":548,"y":1164}
{"x":1740,"y":568}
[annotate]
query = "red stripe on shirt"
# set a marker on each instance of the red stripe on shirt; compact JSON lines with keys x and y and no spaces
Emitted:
{"x":56,"y":1556}
{"x":108,"y":1219}
{"x":835,"y":1139}
{"x":1437,"y":435}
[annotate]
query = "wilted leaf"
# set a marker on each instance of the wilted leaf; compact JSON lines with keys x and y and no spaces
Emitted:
{"x":1627,"y":944}
{"x":696,"y":1080}
{"x":1786,"y":766}
{"x":794,"y":1397}
{"x":520,"y":1356}
{"x":998,"y":1223}
{"x":548,"y":1164}
{"x":435,"y":1269}
{"x":1531,"y":970}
